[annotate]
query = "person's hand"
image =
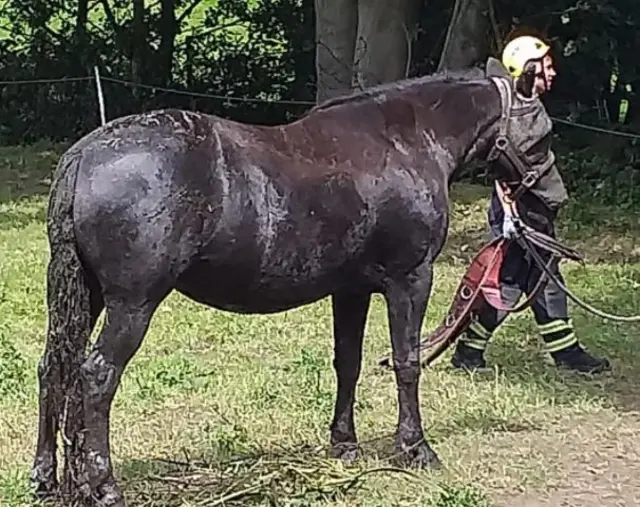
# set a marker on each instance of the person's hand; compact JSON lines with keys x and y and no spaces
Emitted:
{"x":509,"y":230}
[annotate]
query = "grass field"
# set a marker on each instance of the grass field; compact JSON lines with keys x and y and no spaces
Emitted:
{"x":215,"y":404}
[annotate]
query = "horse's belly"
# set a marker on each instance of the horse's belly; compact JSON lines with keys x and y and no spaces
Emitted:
{"x":243,"y":290}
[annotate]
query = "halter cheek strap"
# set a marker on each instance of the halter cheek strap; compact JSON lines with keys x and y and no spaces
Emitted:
{"x":503,"y":147}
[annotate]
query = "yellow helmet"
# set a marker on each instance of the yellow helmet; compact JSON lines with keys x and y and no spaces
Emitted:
{"x":520,"y":50}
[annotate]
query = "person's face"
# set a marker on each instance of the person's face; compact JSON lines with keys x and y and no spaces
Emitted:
{"x":545,"y":72}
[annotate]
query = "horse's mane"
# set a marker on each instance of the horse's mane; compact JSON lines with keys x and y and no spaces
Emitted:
{"x":445,"y":76}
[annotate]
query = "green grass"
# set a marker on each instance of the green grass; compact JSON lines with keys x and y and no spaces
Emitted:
{"x":214,"y":402}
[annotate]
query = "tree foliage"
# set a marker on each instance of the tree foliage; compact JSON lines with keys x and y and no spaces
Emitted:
{"x":267,"y":49}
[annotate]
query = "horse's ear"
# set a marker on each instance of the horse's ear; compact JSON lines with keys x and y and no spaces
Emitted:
{"x":527,"y":80}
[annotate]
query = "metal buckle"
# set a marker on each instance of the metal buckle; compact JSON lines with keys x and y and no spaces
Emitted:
{"x":501,"y":142}
{"x":530,"y":179}
{"x":466,"y":293}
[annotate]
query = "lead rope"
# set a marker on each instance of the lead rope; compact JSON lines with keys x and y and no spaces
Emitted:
{"x":508,"y":204}
{"x":586,"y":306}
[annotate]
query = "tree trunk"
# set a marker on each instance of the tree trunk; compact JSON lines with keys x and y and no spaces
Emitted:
{"x":336,"y":24}
{"x":468,"y":35}
{"x":139,"y":41}
{"x":383,"y":48}
{"x":168,"y":32}
{"x":80,"y":36}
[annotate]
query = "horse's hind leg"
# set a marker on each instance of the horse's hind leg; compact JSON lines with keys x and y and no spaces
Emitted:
{"x":349,"y":319}
{"x":125,"y":326}
{"x":407,"y":301}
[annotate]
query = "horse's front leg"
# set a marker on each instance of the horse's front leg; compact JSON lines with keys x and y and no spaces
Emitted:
{"x":349,"y":319}
{"x":407,"y":300}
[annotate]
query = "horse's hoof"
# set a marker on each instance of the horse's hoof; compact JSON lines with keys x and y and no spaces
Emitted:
{"x":347,"y":452}
{"x":418,"y":456}
{"x":45,"y":487}
{"x":107,"y":494}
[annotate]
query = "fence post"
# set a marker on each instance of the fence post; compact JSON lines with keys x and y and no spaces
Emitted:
{"x":100,"y":96}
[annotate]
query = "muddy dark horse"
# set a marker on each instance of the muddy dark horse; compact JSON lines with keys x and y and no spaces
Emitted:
{"x":350,"y":200}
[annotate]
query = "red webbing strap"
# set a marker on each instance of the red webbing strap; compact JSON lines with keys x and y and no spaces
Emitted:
{"x":468,"y":296}
{"x":487,"y":293}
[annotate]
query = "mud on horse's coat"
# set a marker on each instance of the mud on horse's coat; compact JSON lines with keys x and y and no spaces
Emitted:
{"x":348,"y":201}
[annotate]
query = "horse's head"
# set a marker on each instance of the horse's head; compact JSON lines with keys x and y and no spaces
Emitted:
{"x":519,"y":144}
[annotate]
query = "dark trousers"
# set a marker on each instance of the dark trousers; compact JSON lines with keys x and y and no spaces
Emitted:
{"x":519,"y":275}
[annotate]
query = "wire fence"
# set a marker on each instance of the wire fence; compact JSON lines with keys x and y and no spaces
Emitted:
{"x":229,"y":98}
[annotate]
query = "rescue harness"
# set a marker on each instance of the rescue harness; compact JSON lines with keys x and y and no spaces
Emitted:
{"x":480,"y":285}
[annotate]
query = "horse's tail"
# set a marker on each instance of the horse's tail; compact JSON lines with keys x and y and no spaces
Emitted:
{"x":69,"y":308}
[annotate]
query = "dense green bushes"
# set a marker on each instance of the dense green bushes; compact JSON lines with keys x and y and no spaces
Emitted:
{"x":252,"y":48}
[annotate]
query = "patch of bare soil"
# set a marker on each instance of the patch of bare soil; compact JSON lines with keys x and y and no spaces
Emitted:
{"x":597,"y":462}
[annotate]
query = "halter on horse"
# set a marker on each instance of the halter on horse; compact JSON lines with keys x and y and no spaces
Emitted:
{"x":350,"y":200}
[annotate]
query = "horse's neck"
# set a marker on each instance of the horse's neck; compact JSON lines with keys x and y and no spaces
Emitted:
{"x":464,"y":138}
{"x":454,"y":151}
{"x":451,"y":117}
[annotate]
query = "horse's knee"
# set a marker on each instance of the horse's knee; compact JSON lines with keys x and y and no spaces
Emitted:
{"x":407,"y":372}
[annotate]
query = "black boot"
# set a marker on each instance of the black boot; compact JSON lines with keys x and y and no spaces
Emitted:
{"x":576,"y":358}
{"x":468,"y":358}
{"x":563,"y":345}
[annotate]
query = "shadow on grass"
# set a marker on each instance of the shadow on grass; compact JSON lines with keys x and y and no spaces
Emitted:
{"x":25,"y":171}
